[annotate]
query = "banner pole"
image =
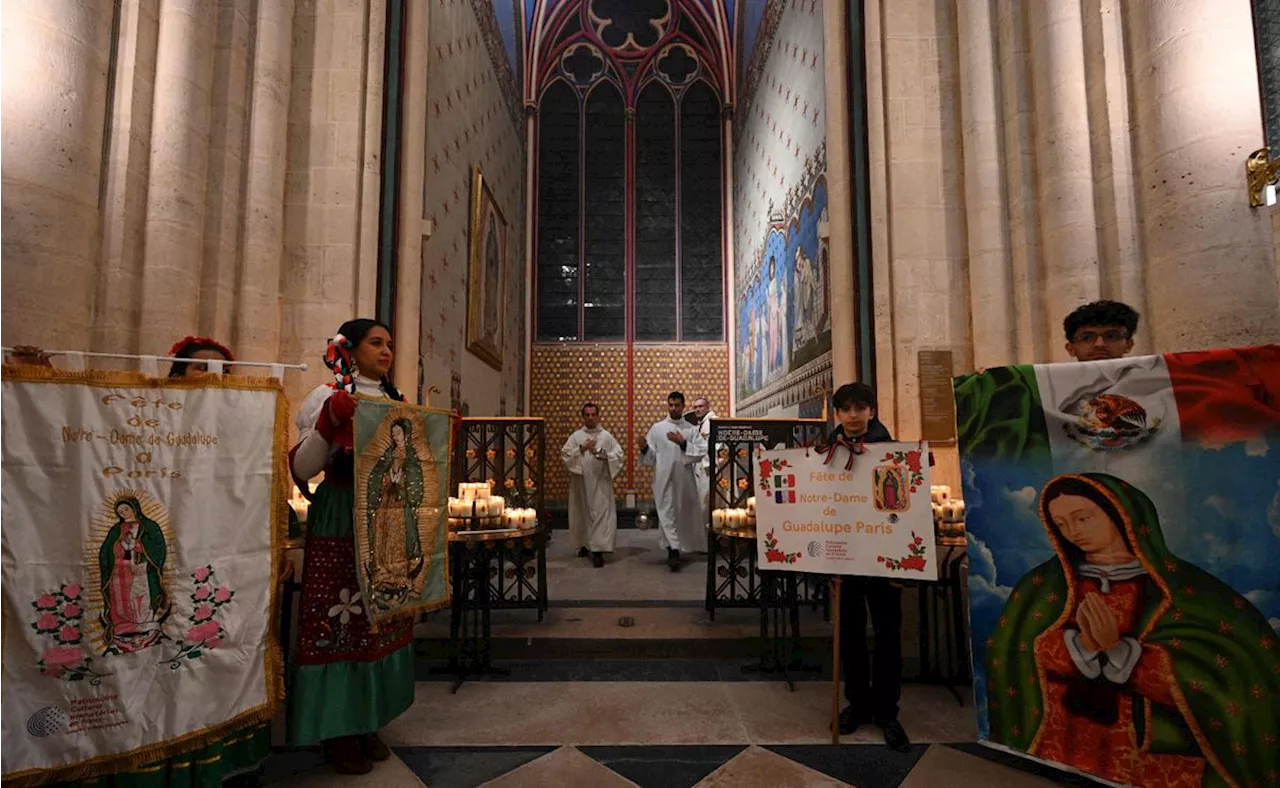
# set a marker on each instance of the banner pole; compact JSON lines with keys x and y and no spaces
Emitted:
{"x":835,"y":659}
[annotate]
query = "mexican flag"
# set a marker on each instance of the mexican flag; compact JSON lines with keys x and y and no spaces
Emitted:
{"x":1150,"y":486}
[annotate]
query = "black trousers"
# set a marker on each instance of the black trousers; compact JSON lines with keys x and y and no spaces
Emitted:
{"x":872,"y":683}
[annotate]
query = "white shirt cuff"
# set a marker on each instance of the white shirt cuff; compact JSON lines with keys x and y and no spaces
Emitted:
{"x":1122,"y":658}
{"x":1086,"y":661}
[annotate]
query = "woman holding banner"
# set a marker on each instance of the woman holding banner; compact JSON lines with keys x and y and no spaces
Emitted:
{"x":348,"y":680}
{"x":232,"y":759}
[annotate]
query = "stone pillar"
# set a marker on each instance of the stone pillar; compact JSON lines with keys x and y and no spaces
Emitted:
{"x":55,"y":62}
{"x":730,"y":276}
{"x":1064,"y":163}
{"x":179,"y":167}
{"x":1211,"y":272}
{"x":844,"y":320}
{"x":990,"y":277}
{"x":530,"y":245}
{"x":257,"y":330}
{"x":413,"y":153}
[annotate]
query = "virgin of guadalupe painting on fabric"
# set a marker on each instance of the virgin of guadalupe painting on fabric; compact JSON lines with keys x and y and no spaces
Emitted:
{"x":132,"y":557}
{"x":402,"y":471}
{"x":1124,"y":539}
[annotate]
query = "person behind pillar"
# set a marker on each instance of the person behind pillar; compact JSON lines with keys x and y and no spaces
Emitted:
{"x":675,"y":491}
{"x":699,"y":449}
{"x":1100,"y":330}
{"x":593,"y":458}
{"x":872,"y":682}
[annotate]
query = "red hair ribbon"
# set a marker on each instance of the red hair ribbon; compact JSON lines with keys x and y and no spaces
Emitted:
{"x":186,"y":342}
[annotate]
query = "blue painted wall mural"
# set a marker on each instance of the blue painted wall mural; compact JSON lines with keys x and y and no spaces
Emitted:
{"x":784,"y":308}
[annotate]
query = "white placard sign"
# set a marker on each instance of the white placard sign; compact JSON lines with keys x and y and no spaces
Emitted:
{"x":818,"y":512}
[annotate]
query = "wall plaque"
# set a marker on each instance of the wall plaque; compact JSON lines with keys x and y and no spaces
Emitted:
{"x":937,"y":402}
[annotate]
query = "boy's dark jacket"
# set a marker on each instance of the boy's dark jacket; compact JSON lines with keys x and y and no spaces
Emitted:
{"x":876,"y":433}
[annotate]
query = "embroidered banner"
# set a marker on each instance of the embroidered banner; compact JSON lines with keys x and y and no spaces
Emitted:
{"x":1124,"y":545}
{"x":839,"y":513}
{"x":402,"y":487}
{"x":142,"y":520}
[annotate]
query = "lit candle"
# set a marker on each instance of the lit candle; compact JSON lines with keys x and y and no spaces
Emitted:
{"x":751,"y":505}
{"x":497,"y":504}
{"x":482,"y":507}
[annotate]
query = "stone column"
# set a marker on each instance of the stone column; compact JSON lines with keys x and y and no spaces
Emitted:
{"x":730,"y":276}
{"x":179,"y":168}
{"x":1211,"y":272}
{"x":55,"y":62}
{"x":413,"y":154}
{"x":257,"y":328}
{"x":990,"y":277}
{"x":1064,"y":163}
{"x":530,"y":260}
{"x":844,"y":320}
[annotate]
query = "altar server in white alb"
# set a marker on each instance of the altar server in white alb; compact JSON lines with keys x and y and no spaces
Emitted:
{"x":675,"y":491}
{"x":593,"y":458}
{"x":700,"y":450}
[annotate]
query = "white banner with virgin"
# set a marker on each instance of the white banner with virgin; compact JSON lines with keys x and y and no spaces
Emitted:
{"x":837,"y":512}
{"x":141,"y":521}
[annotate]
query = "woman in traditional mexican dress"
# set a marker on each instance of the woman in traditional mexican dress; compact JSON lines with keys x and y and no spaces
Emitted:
{"x":131,"y":564}
{"x":1121,"y":659}
{"x":348,"y":682}
{"x":229,"y":760}
{"x":395,"y":493}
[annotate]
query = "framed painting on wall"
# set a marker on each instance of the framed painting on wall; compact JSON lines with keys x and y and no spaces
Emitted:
{"x":486,"y":278}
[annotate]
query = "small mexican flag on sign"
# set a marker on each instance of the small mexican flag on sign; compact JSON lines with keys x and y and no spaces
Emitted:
{"x":784,"y":488}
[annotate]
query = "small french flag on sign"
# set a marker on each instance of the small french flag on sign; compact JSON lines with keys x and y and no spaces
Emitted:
{"x":784,"y":496}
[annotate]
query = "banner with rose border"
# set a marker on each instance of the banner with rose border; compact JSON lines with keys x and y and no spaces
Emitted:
{"x":839,"y":513}
{"x":142,"y":523}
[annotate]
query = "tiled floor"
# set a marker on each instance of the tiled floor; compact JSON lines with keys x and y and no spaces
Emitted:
{"x":661,"y":699}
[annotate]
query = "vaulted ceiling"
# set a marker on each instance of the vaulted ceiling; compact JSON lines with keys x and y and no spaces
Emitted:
{"x":728,"y":30}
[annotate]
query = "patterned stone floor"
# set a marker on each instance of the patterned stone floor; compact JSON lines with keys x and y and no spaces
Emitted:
{"x":668,"y":701}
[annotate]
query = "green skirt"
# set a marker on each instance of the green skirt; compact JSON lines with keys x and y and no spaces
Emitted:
{"x":236,"y":754}
{"x":345,"y":679}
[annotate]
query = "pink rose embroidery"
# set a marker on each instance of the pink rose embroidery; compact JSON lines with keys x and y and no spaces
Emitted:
{"x":222,"y":595}
{"x":203,"y":612}
{"x":71,"y":591}
{"x":62,"y":656}
{"x":214,"y":643}
{"x":202,"y":632}
{"x":54,"y":671}
{"x":47,"y":622}
{"x":202,"y":593}
{"x":71,"y":610}
{"x":69,"y":634}
{"x":202,"y":574}
{"x":46,"y":602}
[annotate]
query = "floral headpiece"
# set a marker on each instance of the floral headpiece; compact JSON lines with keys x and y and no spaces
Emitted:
{"x":337,"y":357}
{"x":186,"y":342}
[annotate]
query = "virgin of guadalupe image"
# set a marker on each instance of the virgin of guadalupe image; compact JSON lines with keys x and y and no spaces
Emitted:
{"x":1119,"y":658}
{"x":131,"y":568}
{"x":395,"y":493}
{"x":492,"y":275}
{"x":889,"y":493}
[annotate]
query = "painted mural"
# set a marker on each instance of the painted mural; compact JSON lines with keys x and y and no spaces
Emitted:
{"x":784,"y":307}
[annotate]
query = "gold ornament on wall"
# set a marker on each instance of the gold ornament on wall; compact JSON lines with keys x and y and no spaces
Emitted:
{"x":1261,"y":171}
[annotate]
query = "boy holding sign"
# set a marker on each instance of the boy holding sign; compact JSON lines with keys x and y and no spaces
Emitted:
{"x":871,"y":686}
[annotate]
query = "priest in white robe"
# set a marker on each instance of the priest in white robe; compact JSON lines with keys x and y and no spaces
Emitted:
{"x":675,"y":491}
{"x":593,"y":458}
{"x":699,"y":450}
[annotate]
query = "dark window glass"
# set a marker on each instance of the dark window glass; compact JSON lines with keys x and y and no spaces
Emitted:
{"x":701,"y":256}
{"x":604,"y":253}
{"x":558,"y":214}
{"x":655,"y":263}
